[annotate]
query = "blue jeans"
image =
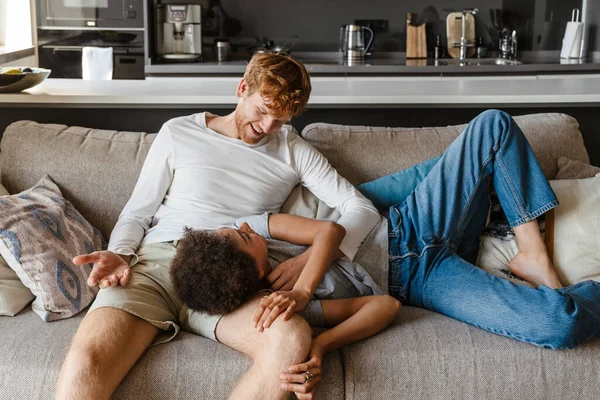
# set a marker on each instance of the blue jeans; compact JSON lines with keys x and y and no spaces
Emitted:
{"x":434,"y":238}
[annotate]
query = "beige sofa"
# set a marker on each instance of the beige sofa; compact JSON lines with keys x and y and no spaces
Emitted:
{"x":423,"y":355}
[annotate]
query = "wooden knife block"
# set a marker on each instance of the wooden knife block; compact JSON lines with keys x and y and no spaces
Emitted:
{"x":416,"y":41}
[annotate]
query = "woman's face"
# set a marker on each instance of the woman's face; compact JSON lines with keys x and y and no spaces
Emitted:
{"x":252,"y":244}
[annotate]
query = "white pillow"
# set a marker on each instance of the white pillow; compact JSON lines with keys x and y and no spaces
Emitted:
{"x":572,"y":235}
{"x":14,"y":296}
{"x":573,"y":230}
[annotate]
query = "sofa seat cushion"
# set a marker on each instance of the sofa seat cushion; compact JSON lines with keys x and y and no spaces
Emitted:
{"x":189,"y":367}
{"x":425,"y":355}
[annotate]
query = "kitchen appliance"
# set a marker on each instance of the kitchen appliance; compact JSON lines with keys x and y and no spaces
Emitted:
{"x":62,"y":51}
{"x":571,"y":44}
{"x":179,"y":32}
{"x":352,"y":41}
{"x":91,"y":14}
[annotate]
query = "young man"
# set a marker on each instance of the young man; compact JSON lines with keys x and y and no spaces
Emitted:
{"x":433,"y":233}
{"x":206,"y":171}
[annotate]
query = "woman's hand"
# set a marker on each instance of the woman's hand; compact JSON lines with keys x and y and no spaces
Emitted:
{"x":276,"y":303}
{"x":302,"y":379}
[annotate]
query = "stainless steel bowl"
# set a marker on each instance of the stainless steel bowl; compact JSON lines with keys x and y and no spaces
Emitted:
{"x":25,"y":80}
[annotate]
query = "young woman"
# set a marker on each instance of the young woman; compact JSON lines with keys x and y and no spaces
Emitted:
{"x":433,"y":240}
{"x":214,"y":272}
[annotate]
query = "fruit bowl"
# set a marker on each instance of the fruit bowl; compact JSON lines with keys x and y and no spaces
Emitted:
{"x":15,"y":79}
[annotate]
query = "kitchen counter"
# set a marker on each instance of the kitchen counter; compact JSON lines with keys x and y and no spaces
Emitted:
{"x":329,"y":63}
{"x":8,"y":54}
{"x":328,"y":92}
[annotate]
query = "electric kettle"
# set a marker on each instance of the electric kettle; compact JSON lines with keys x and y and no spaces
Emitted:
{"x":352,"y":41}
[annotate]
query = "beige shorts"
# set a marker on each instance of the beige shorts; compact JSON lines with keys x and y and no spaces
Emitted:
{"x":151,"y":296}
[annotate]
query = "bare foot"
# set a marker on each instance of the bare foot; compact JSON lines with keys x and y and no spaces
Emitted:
{"x":536,"y":269}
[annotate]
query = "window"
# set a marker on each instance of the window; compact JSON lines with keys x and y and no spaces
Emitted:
{"x":15,"y":23}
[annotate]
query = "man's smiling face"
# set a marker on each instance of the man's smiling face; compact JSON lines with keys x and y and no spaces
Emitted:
{"x":253,"y":118}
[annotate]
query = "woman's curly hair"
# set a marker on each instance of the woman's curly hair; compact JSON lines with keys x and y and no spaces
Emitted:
{"x":211,"y":274}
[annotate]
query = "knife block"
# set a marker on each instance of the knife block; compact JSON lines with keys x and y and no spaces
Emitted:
{"x":416,"y":41}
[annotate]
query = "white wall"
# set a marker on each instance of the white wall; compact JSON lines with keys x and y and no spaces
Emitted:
{"x":2,"y":22}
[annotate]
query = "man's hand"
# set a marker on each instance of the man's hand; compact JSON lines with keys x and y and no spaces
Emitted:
{"x":276,"y":303}
{"x":109,"y":269}
{"x":286,"y":274}
{"x":298,"y":381}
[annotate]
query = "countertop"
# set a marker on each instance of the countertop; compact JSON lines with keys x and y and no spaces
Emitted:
{"x":8,"y":54}
{"x":330,"y":63}
{"x":328,"y":92}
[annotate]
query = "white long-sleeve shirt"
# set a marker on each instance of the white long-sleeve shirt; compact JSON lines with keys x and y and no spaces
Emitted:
{"x":195,"y":177}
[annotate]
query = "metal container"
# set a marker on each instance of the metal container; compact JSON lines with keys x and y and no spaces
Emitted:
{"x":352,"y":41}
{"x":222,"y":50}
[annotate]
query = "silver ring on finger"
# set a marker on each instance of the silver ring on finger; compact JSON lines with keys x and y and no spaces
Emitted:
{"x":309,"y":376}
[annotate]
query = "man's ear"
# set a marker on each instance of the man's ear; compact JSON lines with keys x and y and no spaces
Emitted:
{"x":242,"y":88}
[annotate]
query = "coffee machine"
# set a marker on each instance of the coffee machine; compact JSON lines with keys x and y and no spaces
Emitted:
{"x":179,"y":31}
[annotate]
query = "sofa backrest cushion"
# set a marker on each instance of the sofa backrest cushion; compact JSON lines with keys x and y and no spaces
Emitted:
{"x":95,"y":169}
{"x":362,"y":153}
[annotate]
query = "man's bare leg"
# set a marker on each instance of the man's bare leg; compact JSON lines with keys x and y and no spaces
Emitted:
{"x":107,"y":344}
{"x":285,"y":343}
{"x":532,"y":263}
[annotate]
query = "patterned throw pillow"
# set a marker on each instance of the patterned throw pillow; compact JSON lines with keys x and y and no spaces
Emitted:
{"x":40,"y":233}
